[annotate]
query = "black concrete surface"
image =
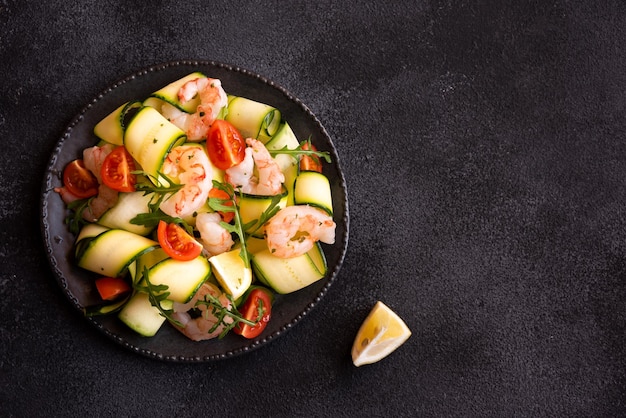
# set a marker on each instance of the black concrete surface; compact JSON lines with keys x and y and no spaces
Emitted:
{"x":483,"y":145}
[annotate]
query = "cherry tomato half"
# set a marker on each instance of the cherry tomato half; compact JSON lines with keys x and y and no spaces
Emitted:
{"x":117,"y":170}
{"x":176,"y":242}
{"x":79,"y":181}
{"x":310,"y":162}
{"x":110,"y":288}
{"x":258,"y":299}
{"x":221,"y":194}
{"x":225,"y":145}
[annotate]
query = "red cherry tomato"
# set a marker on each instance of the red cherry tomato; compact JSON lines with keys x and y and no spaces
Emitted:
{"x":221,"y":194}
{"x":259,"y":300}
{"x":310,"y":162}
{"x":225,"y":145}
{"x":79,"y":181}
{"x":110,"y":288}
{"x":176,"y":242}
{"x":117,"y":170}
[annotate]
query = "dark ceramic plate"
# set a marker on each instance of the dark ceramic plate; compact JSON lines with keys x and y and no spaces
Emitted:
{"x":169,"y":344}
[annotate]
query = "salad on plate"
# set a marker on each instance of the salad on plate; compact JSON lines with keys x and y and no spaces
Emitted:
{"x":195,"y":209}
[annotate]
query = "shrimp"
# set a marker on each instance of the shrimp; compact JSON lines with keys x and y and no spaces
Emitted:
{"x":295,"y":229}
{"x":214,"y":238}
{"x":268,"y":181}
{"x":104,"y":200}
{"x":106,"y":197}
{"x":190,"y":165}
{"x":94,"y":158}
{"x":199,"y":328}
{"x":212,"y":99}
{"x":240,"y":175}
{"x":178,"y":117}
{"x":67,"y":196}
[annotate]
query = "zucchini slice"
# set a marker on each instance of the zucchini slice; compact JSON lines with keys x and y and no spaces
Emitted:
{"x":253,"y":119}
{"x":255,"y":244}
{"x":285,"y":137}
{"x":183,"y":278}
{"x":90,"y":231}
{"x":313,"y":188}
{"x":111,"y":128}
{"x":139,"y":314}
{"x":106,"y":308}
{"x":289,"y":167}
{"x":252,"y":206}
{"x":169,"y":93}
{"x":109,"y":252}
{"x":149,"y":137}
{"x":127,"y":207}
{"x":287,"y":275}
{"x":154,"y":102}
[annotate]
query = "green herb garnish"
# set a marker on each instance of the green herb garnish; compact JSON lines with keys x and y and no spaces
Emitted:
{"x":151,"y":220}
{"x":75,"y":219}
{"x":220,"y":312}
{"x":222,"y":205}
{"x":161,"y":185}
{"x":299,"y":151}
{"x":163,"y":188}
{"x":156,"y":295}
{"x":159,"y":293}
{"x":230,"y":205}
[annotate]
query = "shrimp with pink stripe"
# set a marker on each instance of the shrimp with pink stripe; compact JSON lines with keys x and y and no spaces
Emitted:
{"x":213,"y":99}
{"x":295,"y":229}
{"x":189,"y":166}
{"x":106,"y":198}
{"x":258,"y":173}
{"x":206,"y":325}
{"x":214,"y":238}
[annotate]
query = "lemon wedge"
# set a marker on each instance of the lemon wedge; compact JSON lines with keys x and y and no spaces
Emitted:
{"x":231,"y":272}
{"x":381,"y":333}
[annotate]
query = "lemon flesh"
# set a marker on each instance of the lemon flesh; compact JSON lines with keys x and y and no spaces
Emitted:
{"x":382,"y":332}
{"x":231,"y":272}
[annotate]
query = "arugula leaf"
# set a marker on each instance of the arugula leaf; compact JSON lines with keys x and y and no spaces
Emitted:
{"x":238,"y":228}
{"x":157,"y":294}
{"x":160,"y":185}
{"x":296,"y":152}
{"x":151,"y":220}
{"x":220,"y":312}
{"x":75,"y":219}
{"x":218,"y":204}
{"x":161,"y":191}
{"x":267,"y":214}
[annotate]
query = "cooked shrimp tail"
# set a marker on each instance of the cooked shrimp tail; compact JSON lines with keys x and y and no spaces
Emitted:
{"x":213,"y":99}
{"x":207,"y":325}
{"x":295,"y":229}
{"x":190,"y":166}
{"x":214,"y":238}
{"x":106,"y":197}
{"x":268,"y":179}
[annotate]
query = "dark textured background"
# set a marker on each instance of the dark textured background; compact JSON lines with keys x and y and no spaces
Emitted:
{"x":483,"y":147}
